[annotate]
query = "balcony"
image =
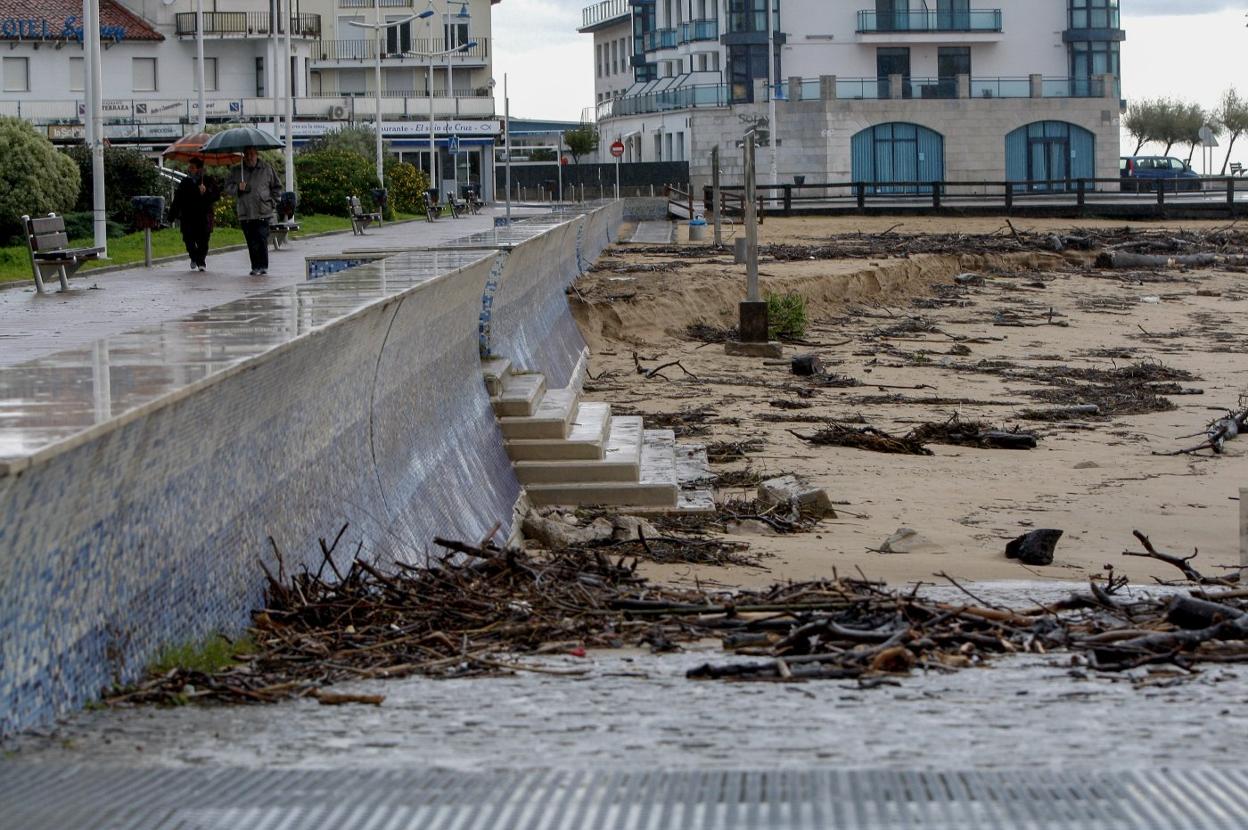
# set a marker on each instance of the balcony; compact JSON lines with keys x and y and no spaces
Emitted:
{"x":915,"y":22}
{"x":335,"y":54}
{"x":603,"y":14}
{"x":693,"y":31}
{"x":245,"y":25}
{"x":368,"y":4}
{"x":660,"y":39}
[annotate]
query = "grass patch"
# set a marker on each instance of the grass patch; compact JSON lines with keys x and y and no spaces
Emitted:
{"x":209,"y":656}
{"x":786,"y":316}
{"x":128,"y":249}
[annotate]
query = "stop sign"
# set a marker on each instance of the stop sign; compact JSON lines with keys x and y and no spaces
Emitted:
{"x":617,"y":149}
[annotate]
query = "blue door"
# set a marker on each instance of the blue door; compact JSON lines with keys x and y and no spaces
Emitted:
{"x":1049,"y":156}
{"x":898,"y":158}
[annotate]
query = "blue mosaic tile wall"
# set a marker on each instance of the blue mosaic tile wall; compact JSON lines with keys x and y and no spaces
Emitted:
{"x":352,"y":399}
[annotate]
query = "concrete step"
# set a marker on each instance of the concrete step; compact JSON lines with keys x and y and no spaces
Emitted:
{"x":552,"y":418}
{"x":656,"y":487}
{"x":621,"y":461}
{"x":493,"y":370}
{"x":693,"y":469}
{"x":520,"y":395}
{"x":585,"y":440}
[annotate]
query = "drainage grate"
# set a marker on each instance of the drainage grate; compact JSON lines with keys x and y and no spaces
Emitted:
{"x":34,"y":797}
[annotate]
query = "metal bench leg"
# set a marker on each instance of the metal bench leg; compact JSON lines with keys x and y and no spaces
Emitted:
{"x":39,"y":287}
{"x":64,"y":279}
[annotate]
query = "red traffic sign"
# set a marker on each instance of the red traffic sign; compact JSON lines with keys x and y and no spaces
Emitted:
{"x":617,"y":149}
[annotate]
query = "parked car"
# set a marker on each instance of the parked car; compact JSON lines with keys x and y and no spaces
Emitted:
{"x":1150,"y":172}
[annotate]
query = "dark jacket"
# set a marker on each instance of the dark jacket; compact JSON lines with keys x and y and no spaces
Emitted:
{"x":191,"y":206}
{"x":264,"y":188}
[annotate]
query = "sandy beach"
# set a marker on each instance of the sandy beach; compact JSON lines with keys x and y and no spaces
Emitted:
{"x":1029,"y":329}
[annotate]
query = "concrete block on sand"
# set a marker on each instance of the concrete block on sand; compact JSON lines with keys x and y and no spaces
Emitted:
{"x":809,"y":499}
{"x":771,"y":349}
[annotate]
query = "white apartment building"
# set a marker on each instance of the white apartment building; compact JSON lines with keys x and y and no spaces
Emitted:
{"x":150,"y":81}
{"x":890,"y":90}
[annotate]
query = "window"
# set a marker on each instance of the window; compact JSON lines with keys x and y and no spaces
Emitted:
{"x":456,"y":34}
{"x":746,"y":65}
{"x":352,"y":82}
{"x":889,"y":61}
{"x":399,"y":38}
{"x":1049,"y":155}
{"x":598,"y":60}
{"x":260,"y":77}
{"x":210,"y":75}
{"x":17,"y":75}
{"x":143,"y":71}
{"x":623,"y":54}
{"x":1094,"y":14}
{"x":77,"y":75}
{"x":896,"y":157}
{"x":751,"y":15}
{"x":1091,"y":58}
{"x":952,"y":61}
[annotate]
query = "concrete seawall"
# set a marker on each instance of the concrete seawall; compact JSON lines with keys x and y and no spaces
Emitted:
{"x":138,"y":499}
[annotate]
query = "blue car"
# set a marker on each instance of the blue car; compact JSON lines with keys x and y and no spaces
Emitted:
{"x":1150,"y":172}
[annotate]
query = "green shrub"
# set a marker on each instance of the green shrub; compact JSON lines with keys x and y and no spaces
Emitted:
{"x":786,"y":316}
{"x":34,"y":178}
{"x":127,"y":173}
{"x":360,"y":139}
{"x":81,"y":225}
{"x":328,"y":177}
{"x":224,"y":214}
{"x":405,"y":186}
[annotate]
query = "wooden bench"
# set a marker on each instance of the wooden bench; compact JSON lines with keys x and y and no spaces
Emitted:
{"x":1237,"y":169}
{"x":359,"y":219}
{"x":432,"y":209}
{"x":50,"y":252}
{"x":278,"y":232}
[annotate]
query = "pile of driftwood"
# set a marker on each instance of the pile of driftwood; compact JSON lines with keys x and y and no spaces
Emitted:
{"x":454,"y":618}
{"x":953,"y":431}
{"x":477,"y":609}
{"x":856,"y":629}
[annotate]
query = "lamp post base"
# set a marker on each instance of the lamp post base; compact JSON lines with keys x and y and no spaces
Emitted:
{"x":752,"y":315}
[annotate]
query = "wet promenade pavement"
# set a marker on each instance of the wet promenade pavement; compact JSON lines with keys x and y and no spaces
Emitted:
{"x":101,"y":305}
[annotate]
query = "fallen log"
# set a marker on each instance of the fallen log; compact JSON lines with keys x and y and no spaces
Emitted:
{"x":1125,"y":259}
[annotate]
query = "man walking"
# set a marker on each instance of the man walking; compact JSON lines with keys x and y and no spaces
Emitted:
{"x":193,"y":204}
{"x":256,"y":189}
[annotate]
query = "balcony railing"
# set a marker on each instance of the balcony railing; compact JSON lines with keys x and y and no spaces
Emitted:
{"x":602,"y":12}
{"x":849,"y":89}
{"x":412,"y":49}
{"x":245,"y":24}
{"x":368,"y":4}
{"x":919,"y":21}
{"x":660,"y":39}
{"x":696,"y":30}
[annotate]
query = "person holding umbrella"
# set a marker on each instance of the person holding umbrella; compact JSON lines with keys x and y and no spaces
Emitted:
{"x":193,"y":203}
{"x":255,"y":186}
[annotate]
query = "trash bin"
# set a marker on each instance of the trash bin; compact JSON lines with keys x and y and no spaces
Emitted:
{"x":697,"y":229}
{"x":286,"y":205}
{"x":379,"y":198}
{"x":149,"y":212}
{"x":799,"y":180}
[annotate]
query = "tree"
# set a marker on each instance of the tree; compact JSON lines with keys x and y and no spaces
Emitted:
{"x":360,"y":139}
{"x":34,"y":177}
{"x":1232,"y":114}
{"x":1141,"y":121}
{"x":582,"y":141}
{"x":1192,"y":118}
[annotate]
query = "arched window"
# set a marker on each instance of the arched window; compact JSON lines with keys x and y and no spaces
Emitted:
{"x":1049,"y":155}
{"x":910,"y":155}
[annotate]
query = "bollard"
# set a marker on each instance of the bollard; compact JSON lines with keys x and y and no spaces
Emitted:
{"x":738,"y":250}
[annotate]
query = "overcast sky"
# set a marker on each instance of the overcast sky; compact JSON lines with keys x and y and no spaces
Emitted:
{"x":1194,"y":53}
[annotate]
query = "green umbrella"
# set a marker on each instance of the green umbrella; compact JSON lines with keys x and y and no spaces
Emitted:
{"x":237,"y":139}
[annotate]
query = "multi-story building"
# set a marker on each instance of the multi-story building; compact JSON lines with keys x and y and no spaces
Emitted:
{"x":150,"y":80}
{"x":905,"y":90}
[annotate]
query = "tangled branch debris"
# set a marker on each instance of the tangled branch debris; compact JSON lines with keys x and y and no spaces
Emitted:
{"x":874,"y":633}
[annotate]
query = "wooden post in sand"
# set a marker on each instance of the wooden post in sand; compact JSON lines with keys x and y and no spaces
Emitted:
{"x":719,"y":233}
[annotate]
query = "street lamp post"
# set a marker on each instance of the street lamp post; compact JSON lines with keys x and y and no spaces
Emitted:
{"x":377,"y":26}
{"x":199,"y":56}
{"x":93,"y":70}
{"x":771,"y":96}
{"x":465,"y":17}
{"x":428,"y":14}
